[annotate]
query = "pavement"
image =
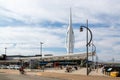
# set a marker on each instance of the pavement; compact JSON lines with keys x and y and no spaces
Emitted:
{"x":4,"y":76}
{"x":61,"y":74}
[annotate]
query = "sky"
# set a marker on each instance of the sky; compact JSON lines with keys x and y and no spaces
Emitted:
{"x":26,"y":23}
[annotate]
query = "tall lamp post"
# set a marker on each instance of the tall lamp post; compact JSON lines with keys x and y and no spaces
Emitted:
{"x":41,"y":49}
{"x":5,"y":50}
{"x":93,"y":53}
{"x":87,"y":43}
{"x":42,"y":55}
{"x":5,"y":56}
{"x":97,"y":63}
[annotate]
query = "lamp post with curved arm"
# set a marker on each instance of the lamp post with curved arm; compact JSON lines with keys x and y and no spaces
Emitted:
{"x":87,"y":43}
{"x":81,"y":29}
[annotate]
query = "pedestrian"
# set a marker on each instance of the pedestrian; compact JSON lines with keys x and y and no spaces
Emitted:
{"x":21,"y":69}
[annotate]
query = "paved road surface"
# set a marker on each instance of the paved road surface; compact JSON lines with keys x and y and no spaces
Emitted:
{"x":14,"y":75}
{"x":23,"y":77}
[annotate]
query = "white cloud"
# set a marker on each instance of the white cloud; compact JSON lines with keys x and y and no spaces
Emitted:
{"x":35,"y":11}
{"x":108,"y":41}
{"x":30,"y":37}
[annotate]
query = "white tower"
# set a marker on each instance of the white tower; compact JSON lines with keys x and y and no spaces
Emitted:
{"x":70,"y":36}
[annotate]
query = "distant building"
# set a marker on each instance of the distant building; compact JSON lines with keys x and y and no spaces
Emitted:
{"x":17,"y":57}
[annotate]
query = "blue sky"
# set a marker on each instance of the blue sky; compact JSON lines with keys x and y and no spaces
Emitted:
{"x":26,"y":23}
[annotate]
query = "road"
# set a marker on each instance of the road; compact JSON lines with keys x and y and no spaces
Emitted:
{"x":4,"y":76}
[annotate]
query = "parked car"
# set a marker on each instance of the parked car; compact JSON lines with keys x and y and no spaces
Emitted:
{"x":11,"y":66}
{"x":3,"y":66}
{"x":14,"y":67}
{"x":17,"y":67}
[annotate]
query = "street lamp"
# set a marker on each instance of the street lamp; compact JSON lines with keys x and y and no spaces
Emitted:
{"x":41,"y":49}
{"x":4,"y":55}
{"x":42,"y":55}
{"x":5,"y":50}
{"x":87,"y":43}
{"x":97,"y":63}
{"x":81,"y":29}
{"x":93,"y":53}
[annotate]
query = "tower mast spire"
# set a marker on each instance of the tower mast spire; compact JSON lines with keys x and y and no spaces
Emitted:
{"x":70,"y":36}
